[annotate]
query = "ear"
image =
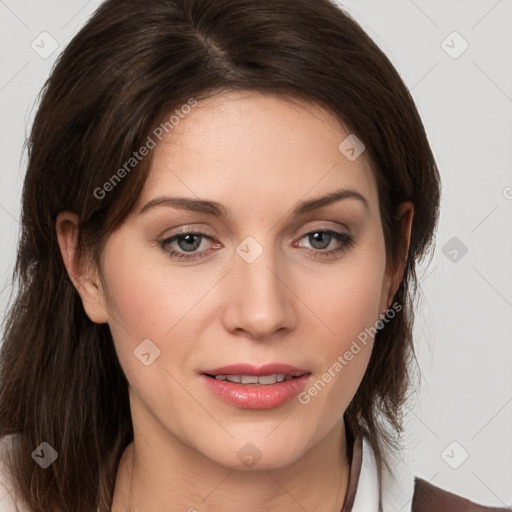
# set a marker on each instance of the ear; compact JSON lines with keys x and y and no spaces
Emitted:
{"x":82,"y":273}
{"x":395,"y":269}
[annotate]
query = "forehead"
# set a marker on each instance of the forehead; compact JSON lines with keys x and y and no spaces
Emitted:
{"x":237,"y":146}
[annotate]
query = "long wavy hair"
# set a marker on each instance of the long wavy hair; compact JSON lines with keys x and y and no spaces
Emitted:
{"x":131,"y":65}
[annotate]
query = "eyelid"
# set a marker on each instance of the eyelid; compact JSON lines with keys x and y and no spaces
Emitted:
{"x":320,"y":225}
{"x":324,"y":230}
{"x":185,"y":232}
{"x":187,"y":229}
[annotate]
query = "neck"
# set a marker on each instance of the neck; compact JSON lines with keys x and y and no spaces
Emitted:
{"x":147,"y":480}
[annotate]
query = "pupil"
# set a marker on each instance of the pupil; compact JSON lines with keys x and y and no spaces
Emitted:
{"x":193,"y":240}
{"x":320,"y":239}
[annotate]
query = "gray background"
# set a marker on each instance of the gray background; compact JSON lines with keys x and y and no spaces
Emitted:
{"x":463,"y":330}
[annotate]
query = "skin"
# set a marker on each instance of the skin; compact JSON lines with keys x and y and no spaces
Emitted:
{"x":259,"y":156}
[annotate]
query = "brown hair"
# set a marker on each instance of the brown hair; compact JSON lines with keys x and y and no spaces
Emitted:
{"x":128,"y":67}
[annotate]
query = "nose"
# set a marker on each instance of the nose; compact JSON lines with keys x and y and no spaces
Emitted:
{"x":261,"y":302}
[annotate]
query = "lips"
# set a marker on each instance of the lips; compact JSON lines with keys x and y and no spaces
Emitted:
{"x":256,"y":387}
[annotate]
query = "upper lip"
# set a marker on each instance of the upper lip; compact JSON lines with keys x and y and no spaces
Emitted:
{"x":258,"y":371}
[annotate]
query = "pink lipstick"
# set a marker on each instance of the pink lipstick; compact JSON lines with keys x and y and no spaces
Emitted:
{"x":256,"y":387}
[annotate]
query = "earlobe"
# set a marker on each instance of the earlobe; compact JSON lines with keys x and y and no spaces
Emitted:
{"x":84,"y":276}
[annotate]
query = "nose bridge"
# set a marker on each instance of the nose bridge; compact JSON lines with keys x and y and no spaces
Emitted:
{"x":259,"y":302}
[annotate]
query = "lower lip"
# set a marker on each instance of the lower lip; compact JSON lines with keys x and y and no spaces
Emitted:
{"x":254,"y":396}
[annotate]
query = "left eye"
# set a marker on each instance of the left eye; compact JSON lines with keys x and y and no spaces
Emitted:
{"x":320,"y":239}
{"x":326,"y":241}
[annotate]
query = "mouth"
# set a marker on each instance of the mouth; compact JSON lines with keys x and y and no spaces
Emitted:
{"x":249,"y":387}
{"x":264,"y":380}
{"x":245,"y":373}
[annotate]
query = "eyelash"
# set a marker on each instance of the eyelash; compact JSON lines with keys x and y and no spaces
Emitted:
{"x":345,"y":239}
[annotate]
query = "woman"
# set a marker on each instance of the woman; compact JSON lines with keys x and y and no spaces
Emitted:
{"x":222,"y":213}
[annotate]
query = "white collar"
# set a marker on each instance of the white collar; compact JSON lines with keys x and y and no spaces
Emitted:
{"x":397,"y":492}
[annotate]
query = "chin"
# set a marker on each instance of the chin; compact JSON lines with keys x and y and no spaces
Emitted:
{"x":257,"y":452}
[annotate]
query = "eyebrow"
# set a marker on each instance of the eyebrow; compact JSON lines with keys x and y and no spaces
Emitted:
{"x":218,"y":210}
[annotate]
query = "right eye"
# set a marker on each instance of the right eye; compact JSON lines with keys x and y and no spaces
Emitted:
{"x":185,"y":245}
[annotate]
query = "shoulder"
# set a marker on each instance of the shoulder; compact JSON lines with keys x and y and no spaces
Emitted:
{"x":429,"y":498}
{"x":402,"y":489}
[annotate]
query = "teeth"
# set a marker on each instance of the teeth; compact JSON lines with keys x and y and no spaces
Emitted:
{"x":249,"y":379}
{"x":252,"y":379}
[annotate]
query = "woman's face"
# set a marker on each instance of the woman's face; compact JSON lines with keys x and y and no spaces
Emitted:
{"x":275,"y":280}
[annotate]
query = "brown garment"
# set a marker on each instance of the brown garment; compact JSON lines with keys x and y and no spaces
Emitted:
{"x":427,"y":497}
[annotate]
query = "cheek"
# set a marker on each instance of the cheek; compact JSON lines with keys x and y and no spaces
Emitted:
{"x":350,"y":308}
{"x":149,"y":300}
{"x":348,"y":303}
{"x":140,"y":305}
{"x":143,"y":290}
{"x":348,"y":300}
